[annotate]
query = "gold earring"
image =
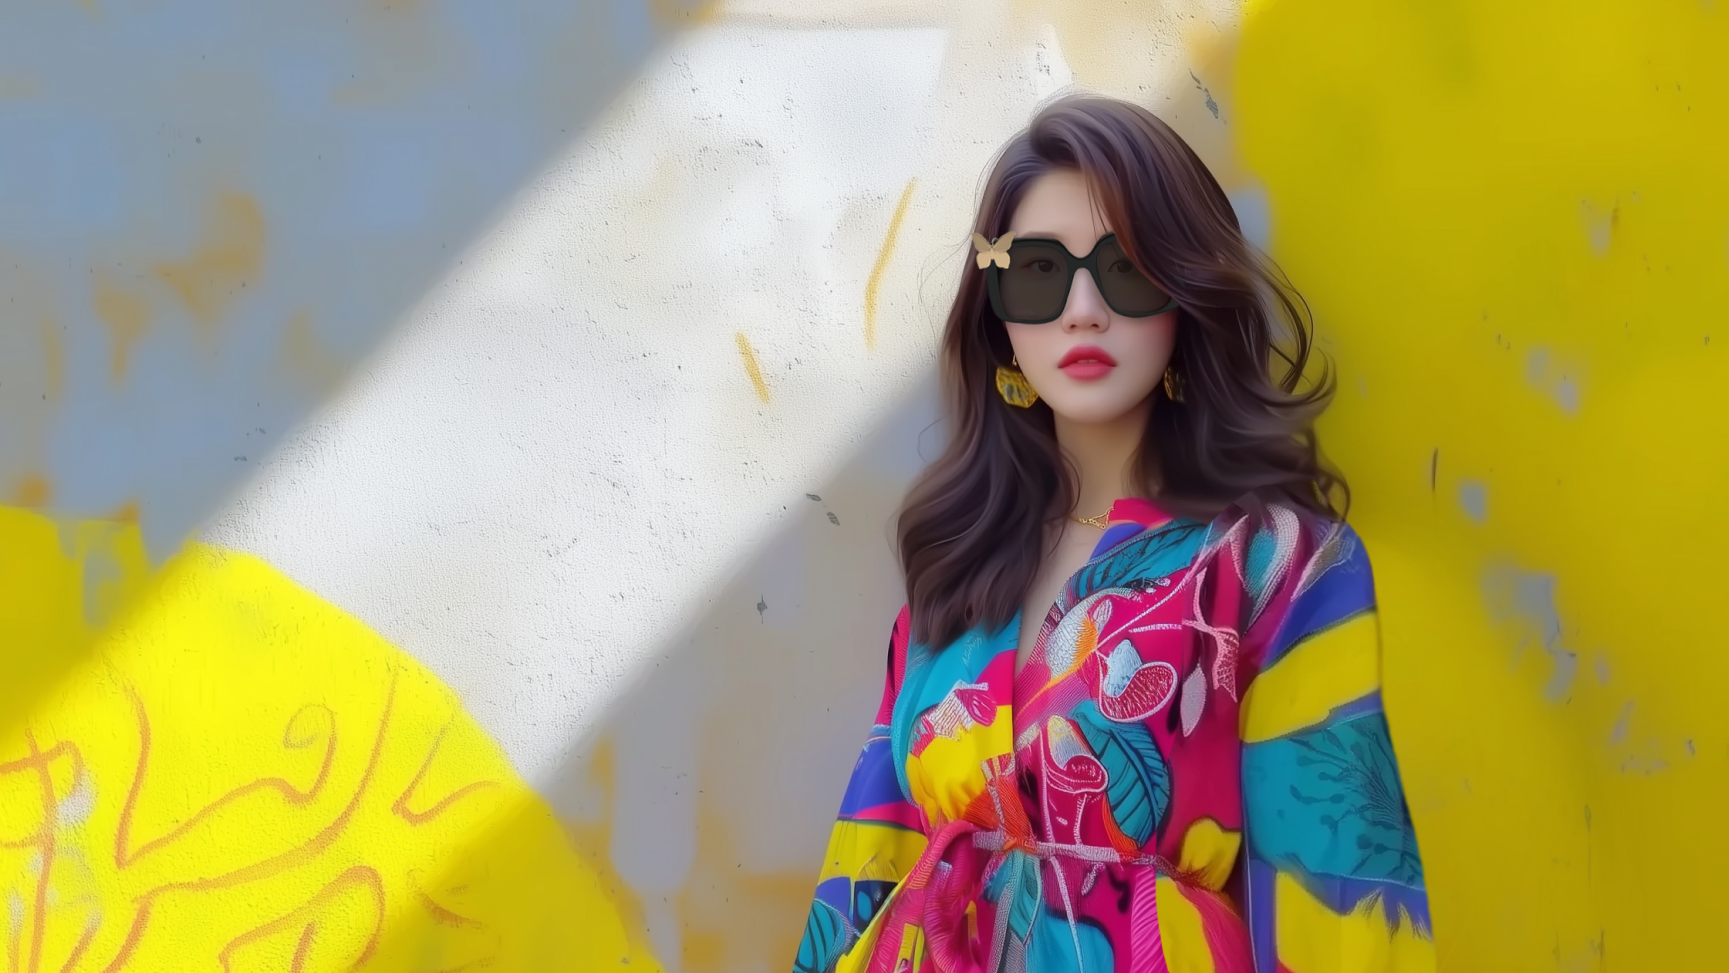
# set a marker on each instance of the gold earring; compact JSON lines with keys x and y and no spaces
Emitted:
{"x":1173,"y":386}
{"x":1014,"y":387}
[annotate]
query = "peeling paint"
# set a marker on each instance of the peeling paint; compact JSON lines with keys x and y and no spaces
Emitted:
{"x":1559,"y":381}
{"x":1528,"y":598}
{"x":1623,"y":723}
{"x":1600,"y":225}
{"x":1254,"y":214}
{"x":1474,"y":498}
{"x":1212,"y":105}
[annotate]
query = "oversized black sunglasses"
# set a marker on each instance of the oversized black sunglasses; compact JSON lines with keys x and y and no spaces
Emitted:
{"x":1029,"y":281}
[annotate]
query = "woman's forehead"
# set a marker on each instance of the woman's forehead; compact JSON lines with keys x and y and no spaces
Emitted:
{"x":1060,"y":206}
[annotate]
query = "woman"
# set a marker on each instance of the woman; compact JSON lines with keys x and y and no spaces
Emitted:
{"x":1181,"y":761}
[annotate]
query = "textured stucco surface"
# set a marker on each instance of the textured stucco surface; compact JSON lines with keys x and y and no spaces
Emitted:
{"x":581,"y":352}
{"x":561,"y":453}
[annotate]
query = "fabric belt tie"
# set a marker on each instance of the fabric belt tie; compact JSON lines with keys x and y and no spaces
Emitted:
{"x":942,"y":886}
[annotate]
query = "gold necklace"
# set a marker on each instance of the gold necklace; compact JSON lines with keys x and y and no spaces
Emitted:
{"x":1101,"y":521}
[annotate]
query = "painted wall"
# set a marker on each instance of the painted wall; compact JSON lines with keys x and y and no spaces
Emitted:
{"x":536,"y":386}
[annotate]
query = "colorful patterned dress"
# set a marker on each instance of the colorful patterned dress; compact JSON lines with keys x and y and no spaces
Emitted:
{"x":1192,"y":773}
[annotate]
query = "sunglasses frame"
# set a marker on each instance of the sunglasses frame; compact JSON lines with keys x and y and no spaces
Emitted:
{"x":1090,"y":263}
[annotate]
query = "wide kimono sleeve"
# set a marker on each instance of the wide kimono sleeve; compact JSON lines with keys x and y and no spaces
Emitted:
{"x":1333,"y":881}
{"x":875,"y":842}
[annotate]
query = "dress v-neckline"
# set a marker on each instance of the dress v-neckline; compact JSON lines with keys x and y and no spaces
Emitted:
{"x":1126,"y":512}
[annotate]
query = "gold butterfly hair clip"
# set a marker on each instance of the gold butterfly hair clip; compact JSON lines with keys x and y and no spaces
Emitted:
{"x":993,"y":253}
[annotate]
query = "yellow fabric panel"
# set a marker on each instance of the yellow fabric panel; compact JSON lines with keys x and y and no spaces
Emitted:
{"x":1185,"y":939}
{"x":1314,"y":939}
{"x":1210,"y":851}
{"x":948,"y":775}
{"x":912,"y":947}
{"x":864,"y":850}
{"x":1330,"y":669}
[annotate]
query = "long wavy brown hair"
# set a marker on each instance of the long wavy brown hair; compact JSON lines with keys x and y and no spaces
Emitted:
{"x":973,"y":528}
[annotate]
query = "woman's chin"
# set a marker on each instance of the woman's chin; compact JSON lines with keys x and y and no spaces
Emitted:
{"x":1093,"y":407}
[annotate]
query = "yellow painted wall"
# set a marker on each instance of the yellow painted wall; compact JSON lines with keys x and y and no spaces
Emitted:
{"x":1512,"y":221}
{"x":230,"y":774}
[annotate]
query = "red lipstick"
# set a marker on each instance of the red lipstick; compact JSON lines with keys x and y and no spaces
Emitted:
{"x":1087,"y":363}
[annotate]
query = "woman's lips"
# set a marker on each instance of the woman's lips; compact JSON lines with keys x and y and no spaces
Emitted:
{"x":1087,"y":363}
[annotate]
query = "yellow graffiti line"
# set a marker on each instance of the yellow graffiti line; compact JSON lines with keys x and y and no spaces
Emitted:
{"x":883,"y":255}
{"x":751,"y":368}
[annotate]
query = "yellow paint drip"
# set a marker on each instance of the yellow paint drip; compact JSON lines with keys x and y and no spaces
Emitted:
{"x":306,"y":359}
{"x":125,"y":316}
{"x":882,"y":262}
{"x":751,"y":368}
{"x":228,"y":258}
{"x":234,"y":775}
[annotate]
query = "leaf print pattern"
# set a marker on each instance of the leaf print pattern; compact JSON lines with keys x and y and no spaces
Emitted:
{"x":1139,"y":782}
{"x":825,"y":940}
{"x":1331,"y":803}
{"x":1151,"y":555}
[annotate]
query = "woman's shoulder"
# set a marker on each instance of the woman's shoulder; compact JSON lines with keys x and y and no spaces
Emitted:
{"x":1279,"y":542}
{"x":1279,"y":517}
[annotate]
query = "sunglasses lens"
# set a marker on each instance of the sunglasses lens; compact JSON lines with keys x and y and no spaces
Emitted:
{"x":1036,"y":284}
{"x":1128,"y":290}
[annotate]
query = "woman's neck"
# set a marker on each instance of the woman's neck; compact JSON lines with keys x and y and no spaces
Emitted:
{"x":1103,"y":454}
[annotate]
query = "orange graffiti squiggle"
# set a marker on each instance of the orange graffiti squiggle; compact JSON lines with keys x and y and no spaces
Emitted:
{"x":362,"y":875}
{"x":140,"y":919}
{"x":123,"y":833}
{"x":38,"y":763}
{"x":39,"y":923}
{"x":417,"y":818}
{"x":289,"y":792}
{"x":257,"y":870}
{"x":443,"y":916}
{"x":301,"y":949}
{"x":84,"y":941}
{"x":319,"y":842}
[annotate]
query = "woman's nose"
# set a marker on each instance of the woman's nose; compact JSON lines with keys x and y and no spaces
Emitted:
{"x":1086,"y":307}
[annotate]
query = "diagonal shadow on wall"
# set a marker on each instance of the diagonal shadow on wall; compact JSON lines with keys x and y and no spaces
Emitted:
{"x":710,"y":787}
{"x":208,"y":215}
